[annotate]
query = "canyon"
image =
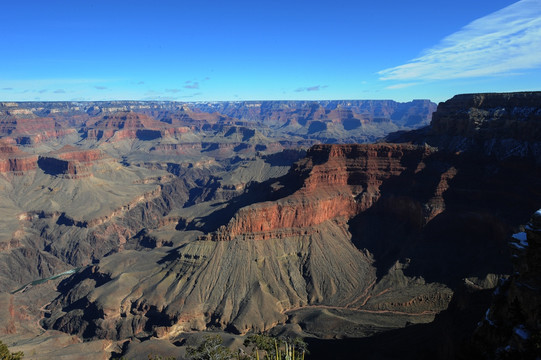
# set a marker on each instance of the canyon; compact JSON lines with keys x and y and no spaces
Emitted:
{"x":327,"y":220}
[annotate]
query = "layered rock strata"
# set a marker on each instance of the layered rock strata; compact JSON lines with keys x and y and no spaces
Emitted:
{"x":15,"y":161}
{"x":31,"y":130}
{"x":270,"y":259}
{"x":70,"y":162}
{"x":351,"y":231}
{"x":339,"y":182}
{"x":499,"y":125}
{"x":129,"y":125}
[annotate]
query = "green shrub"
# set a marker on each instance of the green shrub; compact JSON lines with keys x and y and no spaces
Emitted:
{"x":210,"y":349}
{"x":259,"y":347}
{"x":6,"y":355}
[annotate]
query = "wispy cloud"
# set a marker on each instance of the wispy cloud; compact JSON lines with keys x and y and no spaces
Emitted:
{"x":60,"y":91}
{"x":7,"y":89}
{"x":503,"y":42}
{"x":100,"y":87}
{"x":311,"y":88}
{"x":141,"y":83}
{"x":401,"y":86}
{"x":174,"y":91}
{"x":191,"y":85}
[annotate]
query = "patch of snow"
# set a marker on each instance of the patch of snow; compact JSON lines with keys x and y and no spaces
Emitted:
{"x":522,"y":240}
{"x":517,"y":246}
{"x":522,"y":332}
{"x":526,"y":285}
{"x":522,"y":111}
{"x":537,"y":215}
{"x":490,"y":322}
{"x":502,"y":349}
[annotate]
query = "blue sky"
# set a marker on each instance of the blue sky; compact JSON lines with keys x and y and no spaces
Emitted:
{"x":267,"y":50}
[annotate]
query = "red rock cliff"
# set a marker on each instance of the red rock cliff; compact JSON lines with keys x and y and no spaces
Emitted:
{"x":129,"y":125}
{"x":70,"y":162}
{"x":339,"y":182}
{"x":32,"y":130}
{"x":15,"y":161}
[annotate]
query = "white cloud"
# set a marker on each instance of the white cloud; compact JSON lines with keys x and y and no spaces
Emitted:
{"x":500,"y":43}
{"x":401,"y":86}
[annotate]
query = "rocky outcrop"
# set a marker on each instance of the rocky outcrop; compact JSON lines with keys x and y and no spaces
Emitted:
{"x":129,"y":125}
{"x":18,"y":165}
{"x":500,"y":125}
{"x":511,"y":326}
{"x":31,"y":130}
{"x":69,"y":162}
{"x":15,"y":161}
{"x":21,"y":125}
{"x":483,"y":116}
{"x":339,"y":182}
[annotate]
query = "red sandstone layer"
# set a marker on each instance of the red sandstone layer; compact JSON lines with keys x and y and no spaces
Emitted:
{"x":340,"y":181}
{"x":70,"y":162}
{"x":33,"y":130}
{"x":130,"y":125}
{"x":13,"y":160}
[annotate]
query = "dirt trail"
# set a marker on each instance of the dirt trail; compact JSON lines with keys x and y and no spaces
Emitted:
{"x":360,"y":310}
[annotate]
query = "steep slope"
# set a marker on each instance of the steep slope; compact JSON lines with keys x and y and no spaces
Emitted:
{"x":15,"y":161}
{"x":129,"y":125}
{"x":352,"y":241}
{"x":511,"y":326}
{"x":500,"y":125}
{"x":352,"y":231}
{"x":270,"y":259}
{"x":25,"y":128}
{"x":82,"y":181}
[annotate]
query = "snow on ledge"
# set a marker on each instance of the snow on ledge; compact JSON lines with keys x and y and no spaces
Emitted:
{"x":521,"y":241}
{"x":522,"y":332}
